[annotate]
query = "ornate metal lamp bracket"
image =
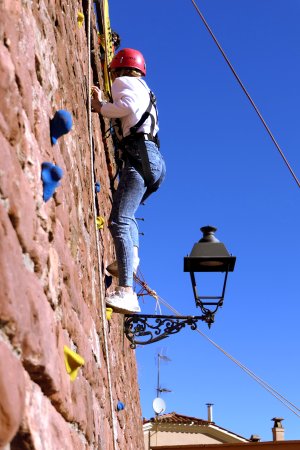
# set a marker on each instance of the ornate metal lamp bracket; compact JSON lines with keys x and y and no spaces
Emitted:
{"x":141,"y":330}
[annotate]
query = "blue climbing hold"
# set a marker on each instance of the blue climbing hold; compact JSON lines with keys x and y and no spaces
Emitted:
{"x":97,"y":187}
{"x":51,"y":174}
{"x":108,"y":281}
{"x":60,"y":124}
{"x":120,"y":406}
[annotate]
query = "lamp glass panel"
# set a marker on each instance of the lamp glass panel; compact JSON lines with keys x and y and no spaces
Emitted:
{"x":209,"y":283}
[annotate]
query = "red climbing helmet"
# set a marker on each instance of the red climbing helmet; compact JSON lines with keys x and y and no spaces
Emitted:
{"x":128,"y":58}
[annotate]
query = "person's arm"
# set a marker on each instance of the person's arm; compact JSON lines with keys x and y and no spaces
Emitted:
{"x":124,"y":100}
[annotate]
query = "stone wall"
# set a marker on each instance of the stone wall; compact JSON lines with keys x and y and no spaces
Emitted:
{"x":51,"y":282}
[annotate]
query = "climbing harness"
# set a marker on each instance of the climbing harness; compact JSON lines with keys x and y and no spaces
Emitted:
{"x":122,"y":144}
{"x":152,"y":104}
{"x":246,"y":92}
{"x":135,"y":136}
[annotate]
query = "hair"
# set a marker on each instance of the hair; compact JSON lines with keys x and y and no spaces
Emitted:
{"x":126,"y":72}
{"x":115,"y":39}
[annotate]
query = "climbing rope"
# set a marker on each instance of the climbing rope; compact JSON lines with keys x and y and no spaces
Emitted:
{"x":246,"y":92}
{"x":103,"y":306}
{"x":263,"y":383}
{"x":144,"y":290}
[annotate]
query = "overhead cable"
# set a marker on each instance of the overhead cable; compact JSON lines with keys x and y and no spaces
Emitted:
{"x":246,"y":92}
{"x":263,"y":383}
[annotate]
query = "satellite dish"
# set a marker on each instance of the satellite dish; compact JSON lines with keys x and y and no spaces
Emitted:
{"x":159,"y":405}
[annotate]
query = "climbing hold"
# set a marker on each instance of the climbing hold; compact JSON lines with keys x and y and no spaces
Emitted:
{"x":108,"y":281}
{"x":73,"y":362}
{"x":80,"y":19}
{"x":109,"y":312}
{"x":60,"y":124}
{"x":97,"y":187}
{"x":120,"y":406}
{"x":100,"y":222}
{"x":51,"y":175}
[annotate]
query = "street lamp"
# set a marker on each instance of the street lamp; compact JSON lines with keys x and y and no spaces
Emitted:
{"x":208,"y":255}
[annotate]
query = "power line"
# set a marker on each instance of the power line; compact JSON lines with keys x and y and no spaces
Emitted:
{"x":263,"y":383}
{"x":246,"y":92}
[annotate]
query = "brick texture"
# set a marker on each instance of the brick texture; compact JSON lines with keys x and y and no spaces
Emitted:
{"x":51,"y":287}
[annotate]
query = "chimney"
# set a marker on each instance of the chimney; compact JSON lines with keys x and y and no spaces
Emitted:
{"x":278,"y":430}
{"x":255,"y":438}
{"x":209,"y":412}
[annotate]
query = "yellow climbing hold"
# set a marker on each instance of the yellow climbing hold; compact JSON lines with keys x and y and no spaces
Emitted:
{"x":80,"y":19}
{"x":109,"y":312}
{"x":100,"y":222}
{"x":73,"y":362}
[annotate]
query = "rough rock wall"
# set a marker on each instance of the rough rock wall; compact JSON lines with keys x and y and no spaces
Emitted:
{"x":51,"y":288}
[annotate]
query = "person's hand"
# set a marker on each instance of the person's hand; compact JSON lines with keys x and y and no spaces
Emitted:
{"x":97,"y":93}
{"x":97,"y":99}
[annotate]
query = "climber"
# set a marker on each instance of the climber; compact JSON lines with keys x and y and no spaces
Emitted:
{"x":144,"y":170}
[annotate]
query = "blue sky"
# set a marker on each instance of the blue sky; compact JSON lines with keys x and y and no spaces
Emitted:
{"x":223,"y":170}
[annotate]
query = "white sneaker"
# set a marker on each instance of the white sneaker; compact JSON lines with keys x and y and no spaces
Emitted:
{"x":123,"y":301}
{"x":113,"y":267}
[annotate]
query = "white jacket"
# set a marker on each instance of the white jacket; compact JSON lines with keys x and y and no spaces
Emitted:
{"x":130,"y":100}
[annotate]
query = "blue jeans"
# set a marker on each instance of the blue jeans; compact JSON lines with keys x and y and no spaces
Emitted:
{"x":127,"y":198}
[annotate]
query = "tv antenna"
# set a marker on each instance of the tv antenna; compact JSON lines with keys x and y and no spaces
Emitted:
{"x":159,"y":405}
{"x":159,"y":389}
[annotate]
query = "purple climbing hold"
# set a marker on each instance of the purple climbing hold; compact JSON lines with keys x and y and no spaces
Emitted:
{"x":60,"y":124}
{"x":51,"y":174}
